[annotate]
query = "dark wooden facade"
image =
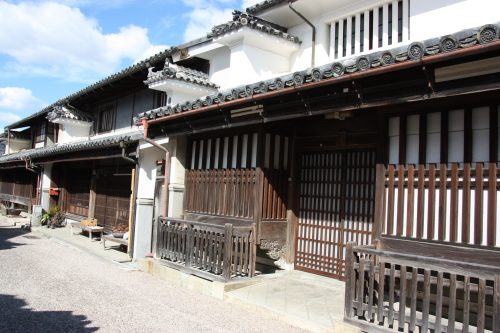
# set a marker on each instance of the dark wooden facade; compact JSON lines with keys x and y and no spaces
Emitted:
{"x":98,"y":189}
{"x":19,"y":186}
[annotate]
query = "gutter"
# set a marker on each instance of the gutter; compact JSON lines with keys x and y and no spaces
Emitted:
{"x":313,"y":37}
{"x":473,"y":50}
{"x":166,"y":178}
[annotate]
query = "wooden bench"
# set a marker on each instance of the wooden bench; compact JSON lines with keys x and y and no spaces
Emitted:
{"x":90,"y":230}
{"x":112,"y":238}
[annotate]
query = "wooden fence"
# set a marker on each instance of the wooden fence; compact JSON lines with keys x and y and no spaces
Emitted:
{"x":224,"y":192}
{"x":391,"y":291}
{"x":447,"y":203}
{"x":216,"y":252}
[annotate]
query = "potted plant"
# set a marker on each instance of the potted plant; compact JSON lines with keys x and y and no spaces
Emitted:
{"x":52,"y":218}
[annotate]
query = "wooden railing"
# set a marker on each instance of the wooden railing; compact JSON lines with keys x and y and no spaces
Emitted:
{"x":222,"y":192}
{"x":392,"y":291}
{"x":215,"y":252}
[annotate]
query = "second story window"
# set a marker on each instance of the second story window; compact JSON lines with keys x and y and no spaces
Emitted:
{"x":160,"y":99}
{"x":40,"y":133}
{"x":106,"y":118}
{"x":380,"y":27}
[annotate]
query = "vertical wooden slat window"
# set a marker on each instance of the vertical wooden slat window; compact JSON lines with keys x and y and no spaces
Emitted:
{"x":452,"y":194}
{"x":221,"y":177}
{"x":456,"y":136}
{"x":376,"y":27}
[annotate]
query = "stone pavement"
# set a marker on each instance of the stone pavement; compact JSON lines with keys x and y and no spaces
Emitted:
{"x":305,"y":300}
{"x":48,"y":286}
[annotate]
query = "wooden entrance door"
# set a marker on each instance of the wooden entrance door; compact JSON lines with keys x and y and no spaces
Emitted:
{"x":336,"y":206}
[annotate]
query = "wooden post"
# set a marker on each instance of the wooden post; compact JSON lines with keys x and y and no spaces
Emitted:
{"x":253,"y":253}
{"x":189,"y":245}
{"x":349,"y":279}
{"x":131,"y":211}
{"x":378,"y":222}
{"x":228,"y":251}
{"x":496,"y":305}
{"x":92,"y":198}
{"x":158,"y":244}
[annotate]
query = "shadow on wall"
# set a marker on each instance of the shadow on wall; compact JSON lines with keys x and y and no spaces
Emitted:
{"x":15,"y":317}
{"x":6,"y":234}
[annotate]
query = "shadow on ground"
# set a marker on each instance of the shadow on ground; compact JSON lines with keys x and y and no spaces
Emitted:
{"x":15,"y":317}
{"x":7,"y":233}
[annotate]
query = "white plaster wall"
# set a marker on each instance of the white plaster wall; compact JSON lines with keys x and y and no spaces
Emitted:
{"x":250,"y":64}
{"x":180,"y":97}
{"x":220,"y":62}
{"x":46,"y":182}
{"x":302,"y":59}
{"x":147,"y":171}
{"x":14,"y":146}
{"x":244,"y":64}
{"x":440,"y":17}
{"x":148,"y":155}
{"x":71,"y":133}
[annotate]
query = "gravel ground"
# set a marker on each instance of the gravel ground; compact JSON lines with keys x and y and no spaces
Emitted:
{"x":46,"y":286}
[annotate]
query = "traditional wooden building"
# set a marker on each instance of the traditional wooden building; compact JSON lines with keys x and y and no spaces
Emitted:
{"x":379,"y":170}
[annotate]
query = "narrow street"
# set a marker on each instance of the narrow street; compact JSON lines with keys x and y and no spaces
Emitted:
{"x":46,"y":286}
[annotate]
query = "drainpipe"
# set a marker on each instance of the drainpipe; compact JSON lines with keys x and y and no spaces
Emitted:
{"x":313,"y":39}
{"x":166,"y":178}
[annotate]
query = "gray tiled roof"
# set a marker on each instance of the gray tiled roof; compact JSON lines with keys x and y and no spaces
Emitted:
{"x":144,"y":64}
{"x":92,"y":144}
{"x":176,"y":72}
{"x":413,"y":52}
{"x":260,"y":7}
{"x":246,"y":20}
{"x":68,"y":112}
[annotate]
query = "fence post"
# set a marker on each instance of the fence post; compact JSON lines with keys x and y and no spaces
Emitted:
{"x":228,"y":251}
{"x":158,"y":244}
{"x":189,"y":244}
{"x":349,"y":281}
{"x":496,"y":305}
{"x":253,"y":251}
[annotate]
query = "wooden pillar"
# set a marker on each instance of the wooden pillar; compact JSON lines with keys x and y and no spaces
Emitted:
{"x":92,"y":198}
{"x":228,"y":251}
{"x":131,"y":211}
{"x":379,"y":215}
{"x":292,"y":209}
{"x":350,"y":283}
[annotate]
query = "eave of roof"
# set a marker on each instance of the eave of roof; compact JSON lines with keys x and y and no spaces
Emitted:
{"x":103,"y":142}
{"x":180,"y":73}
{"x":67,"y":112}
{"x":241,"y":20}
{"x":263,"y":6}
{"x":364,"y":65}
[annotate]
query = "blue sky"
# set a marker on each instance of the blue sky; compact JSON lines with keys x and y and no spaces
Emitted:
{"x":49,"y":49}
